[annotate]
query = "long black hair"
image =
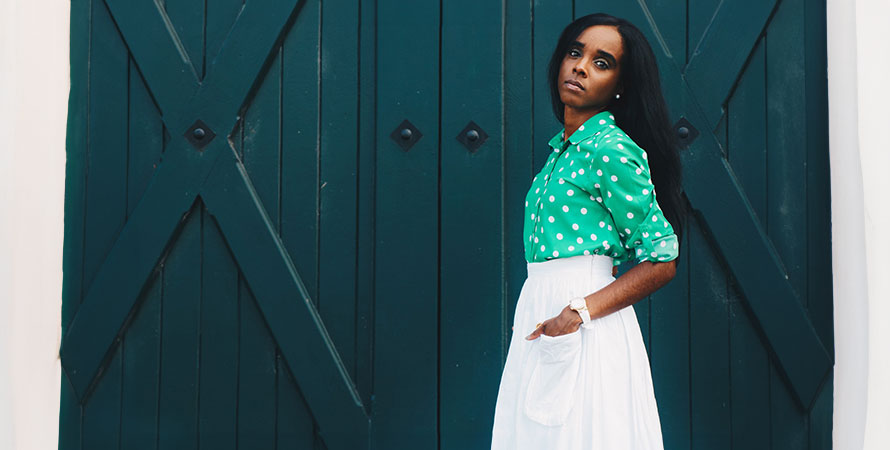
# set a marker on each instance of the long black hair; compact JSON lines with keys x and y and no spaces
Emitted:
{"x":641,"y":111}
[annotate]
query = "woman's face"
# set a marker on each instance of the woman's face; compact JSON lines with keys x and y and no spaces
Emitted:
{"x":589,"y":74}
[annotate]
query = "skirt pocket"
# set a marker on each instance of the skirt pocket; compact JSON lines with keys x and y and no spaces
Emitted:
{"x":551,"y":387}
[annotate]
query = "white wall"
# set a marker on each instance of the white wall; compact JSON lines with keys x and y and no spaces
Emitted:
{"x":859,"y":121}
{"x":34,"y":80}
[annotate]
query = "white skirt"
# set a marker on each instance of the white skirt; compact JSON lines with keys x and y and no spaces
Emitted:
{"x":589,"y":389}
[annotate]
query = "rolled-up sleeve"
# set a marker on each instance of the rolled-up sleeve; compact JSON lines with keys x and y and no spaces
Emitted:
{"x":620,"y":172}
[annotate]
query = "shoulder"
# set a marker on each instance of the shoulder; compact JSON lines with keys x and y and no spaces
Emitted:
{"x":615,"y":145}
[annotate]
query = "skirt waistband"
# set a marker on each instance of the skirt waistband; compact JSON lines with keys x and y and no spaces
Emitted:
{"x":578,"y":265}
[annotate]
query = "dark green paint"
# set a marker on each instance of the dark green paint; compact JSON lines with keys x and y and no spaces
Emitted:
{"x":312,"y":285}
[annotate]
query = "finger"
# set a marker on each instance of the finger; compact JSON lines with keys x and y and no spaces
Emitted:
{"x":537,"y":332}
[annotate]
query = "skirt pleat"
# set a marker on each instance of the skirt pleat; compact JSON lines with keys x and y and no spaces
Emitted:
{"x":590,"y":389}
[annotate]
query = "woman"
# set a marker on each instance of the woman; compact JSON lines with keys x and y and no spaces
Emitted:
{"x":577,"y":374}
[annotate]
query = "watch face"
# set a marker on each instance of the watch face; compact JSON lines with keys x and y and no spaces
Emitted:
{"x":578,"y":303}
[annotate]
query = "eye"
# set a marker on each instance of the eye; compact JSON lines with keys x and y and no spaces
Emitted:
{"x":602,"y":64}
{"x":574,"y":52}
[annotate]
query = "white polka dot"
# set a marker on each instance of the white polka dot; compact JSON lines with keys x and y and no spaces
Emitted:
{"x":599,"y":199}
{"x":560,"y":169}
{"x":552,"y":198}
{"x":574,"y":174}
{"x":583,"y":210}
{"x":639,"y":251}
{"x":602,"y":121}
{"x":638,"y":171}
{"x":587,"y":155}
{"x":574,"y":226}
{"x":580,"y":171}
{"x":592,"y":237}
{"x":645,"y":191}
{"x":623,"y":158}
{"x":571,"y":247}
{"x":611,"y":117}
{"x":657,"y":234}
{"x":645,"y":234}
{"x":565,"y":208}
{"x":665,"y":224}
{"x":572,"y":162}
{"x":654,"y":254}
{"x":609,"y":227}
{"x":526,"y":203}
{"x":581,"y":128}
{"x":602,"y":224}
{"x":609,"y":193}
{"x":614,"y":178}
{"x":605,"y":158}
{"x":550,"y":219}
{"x":590,"y":142}
{"x":630,"y":215}
{"x":663,"y":244}
{"x":627,"y":230}
{"x":537,"y":190}
{"x":570,"y":192}
{"x":586,"y":252}
{"x":644,"y":155}
{"x":543,"y":248}
{"x":606,"y":244}
{"x":580,"y":240}
{"x":555,"y":253}
{"x":621,"y":146}
{"x":596,"y":185}
{"x":562,"y":181}
{"x":611,"y":126}
{"x":654,"y":219}
{"x":533,"y":216}
{"x":629,"y":197}
{"x":675,"y":245}
{"x":536,"y":239}
{"x":559,"y":236}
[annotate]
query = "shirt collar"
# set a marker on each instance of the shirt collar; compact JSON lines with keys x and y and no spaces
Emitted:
{"x":596,"y":123}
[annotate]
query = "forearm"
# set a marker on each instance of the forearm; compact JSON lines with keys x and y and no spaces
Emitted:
{"x":637,"y":283}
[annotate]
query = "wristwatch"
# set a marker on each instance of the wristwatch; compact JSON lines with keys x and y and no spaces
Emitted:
{"x":579,"y":305}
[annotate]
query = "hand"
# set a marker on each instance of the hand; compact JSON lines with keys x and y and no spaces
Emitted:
{"x":566,"y":322}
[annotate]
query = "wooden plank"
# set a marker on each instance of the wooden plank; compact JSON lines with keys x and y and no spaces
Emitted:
{"x":249,"y":48}
{"x":187,"y":20}
{"x":76,"y":148}
{"x":700,"y":15}
{"x":106,"y":185}
{"x":709,"y":345}
{"x":145,"y":139}
{"x":747,"y":149}
{"x":820,"y":417}
{"x":219,"y":346}
{"x":256,"y":376}
{"x":220,"y":17}
{"x":127,"y":266}
{"x":282,"y":298}
{"x":471,"y":90}
{"x":786,"y":132}
{"x":364,"y":376}
{"x":160,"y":55}
{"x":669,"y":353}
{"x":820,"y":303}
{"x":180,"y":331}
{"x":338,"y":156}
{"x":299,"y":158}
{"x":715,"y":63}
{"x":102,"y":410}
{"x":754,"y":263}
{"x":407,"y":221}
{"x":750,"y":377}
{"x":141,"y":349}
{"x":295,"y":427}
{"x":788,"y":423}
{"x":546,"y":28}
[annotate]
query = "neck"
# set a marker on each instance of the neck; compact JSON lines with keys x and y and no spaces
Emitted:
{"x":574,"y":118}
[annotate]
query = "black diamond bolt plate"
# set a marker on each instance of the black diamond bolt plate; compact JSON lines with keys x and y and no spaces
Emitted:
{"x":199,"y":134}
{"x":686,"y":133}
{"x":406,"y":135}
{"x":472,"y":136}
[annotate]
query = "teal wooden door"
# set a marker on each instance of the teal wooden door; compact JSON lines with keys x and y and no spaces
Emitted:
{"x":282,"y":232}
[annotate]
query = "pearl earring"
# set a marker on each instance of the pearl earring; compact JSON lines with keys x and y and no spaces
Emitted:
{"x":617,"y":95}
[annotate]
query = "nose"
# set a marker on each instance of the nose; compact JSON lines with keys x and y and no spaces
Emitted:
{"x":579,"y":67}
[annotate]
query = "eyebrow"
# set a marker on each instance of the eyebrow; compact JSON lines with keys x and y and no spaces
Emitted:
{"x":600,"y":52}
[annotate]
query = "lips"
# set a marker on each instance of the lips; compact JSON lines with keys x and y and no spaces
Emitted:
{"x":576,"y":83}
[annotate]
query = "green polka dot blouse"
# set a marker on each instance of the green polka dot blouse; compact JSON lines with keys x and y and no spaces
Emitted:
{"x":595,"y":196}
